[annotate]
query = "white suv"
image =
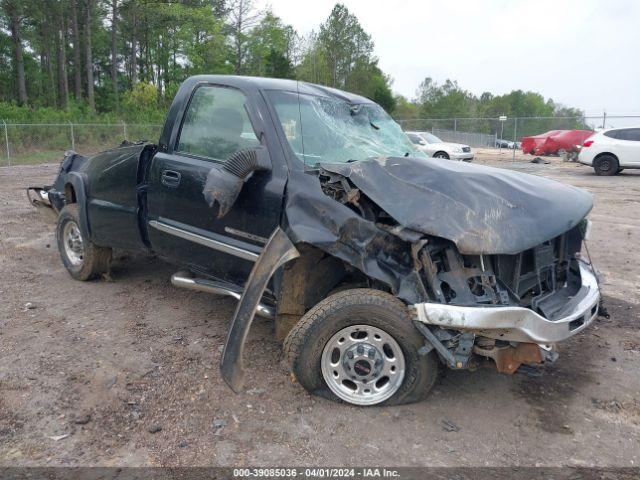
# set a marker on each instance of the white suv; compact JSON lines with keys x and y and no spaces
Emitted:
{"x":611,"y":151}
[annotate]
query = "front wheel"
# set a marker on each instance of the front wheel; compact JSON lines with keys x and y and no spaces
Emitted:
{"x":443,"y":155}
{"x":361,"y":347}
{"x":83,"y":259}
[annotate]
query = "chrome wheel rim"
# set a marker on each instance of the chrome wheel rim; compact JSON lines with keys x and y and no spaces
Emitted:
{"x":363,"y":365}
{"x":73,"y":244}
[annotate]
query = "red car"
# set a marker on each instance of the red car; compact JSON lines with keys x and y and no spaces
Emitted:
{"x":554,"y":142}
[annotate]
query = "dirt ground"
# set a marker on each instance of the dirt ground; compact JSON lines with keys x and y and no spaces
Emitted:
{"x":89,"y":370}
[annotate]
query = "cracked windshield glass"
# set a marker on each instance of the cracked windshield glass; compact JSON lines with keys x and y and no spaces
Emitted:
{"x":331,"y":130}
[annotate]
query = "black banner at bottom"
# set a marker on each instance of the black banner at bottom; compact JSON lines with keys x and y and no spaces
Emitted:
{"x":305,"y":473}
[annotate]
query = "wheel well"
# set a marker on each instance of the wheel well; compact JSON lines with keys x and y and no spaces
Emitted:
{"x":306,"y":281}
{"x":441,"y":151}
{"x":69,"y":194}
{"x":605,"y":153}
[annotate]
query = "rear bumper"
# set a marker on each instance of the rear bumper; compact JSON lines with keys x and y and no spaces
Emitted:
{"x":39,"y":198}
{"x":517,"y":323}
{"x":585,"y":157}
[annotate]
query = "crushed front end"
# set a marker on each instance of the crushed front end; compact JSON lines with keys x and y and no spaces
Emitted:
{"x":515,"y":307}
{"x":488,"y":260}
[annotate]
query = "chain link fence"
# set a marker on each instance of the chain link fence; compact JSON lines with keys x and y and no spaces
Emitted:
{"x":45,"y":142}
{"x":488,"y":132}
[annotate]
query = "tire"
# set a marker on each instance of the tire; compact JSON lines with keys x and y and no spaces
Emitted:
{"x":83,"y":259}
{"x":444,"y":155}
{"x":606,"y":165}
{"x":307,"y":348}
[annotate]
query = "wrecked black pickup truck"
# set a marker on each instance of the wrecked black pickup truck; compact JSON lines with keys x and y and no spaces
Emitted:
{"x":311,"y":207}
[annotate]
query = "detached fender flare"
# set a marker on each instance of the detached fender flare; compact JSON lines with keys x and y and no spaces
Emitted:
{"x":278,"y":251}
{"x":78,"y":182}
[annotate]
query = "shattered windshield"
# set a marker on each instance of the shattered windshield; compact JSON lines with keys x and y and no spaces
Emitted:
{"x":332,"y":130}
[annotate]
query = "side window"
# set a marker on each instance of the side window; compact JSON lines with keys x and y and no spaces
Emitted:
{"x":613,"y":134}
{"x":216,"y":124}
{"x":415,"y":139}
{"x":632,"y":134}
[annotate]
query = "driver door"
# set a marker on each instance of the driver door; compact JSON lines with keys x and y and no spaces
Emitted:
{"x":183,"y":228}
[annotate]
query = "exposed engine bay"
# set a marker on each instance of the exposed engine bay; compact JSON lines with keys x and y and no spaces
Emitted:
{"x":540,"y":278}
{"x":543,"y":279}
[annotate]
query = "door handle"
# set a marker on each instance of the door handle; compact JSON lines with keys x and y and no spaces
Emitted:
{"x":170,"y":178}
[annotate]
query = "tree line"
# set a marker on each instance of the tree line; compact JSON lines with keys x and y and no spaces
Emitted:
{"x":450,"y":100}
{"x":124,"y":59}
{"x":114,"y":55}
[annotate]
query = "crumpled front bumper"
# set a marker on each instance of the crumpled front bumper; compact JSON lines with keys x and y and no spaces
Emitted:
{"x":519,"y":324}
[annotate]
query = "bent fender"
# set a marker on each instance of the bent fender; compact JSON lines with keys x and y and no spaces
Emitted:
{"x":278,"y":251}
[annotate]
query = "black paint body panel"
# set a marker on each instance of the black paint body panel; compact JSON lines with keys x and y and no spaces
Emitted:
{"x":480,"y":209}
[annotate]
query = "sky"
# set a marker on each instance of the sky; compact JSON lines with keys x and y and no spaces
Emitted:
{"x":580,"y":53}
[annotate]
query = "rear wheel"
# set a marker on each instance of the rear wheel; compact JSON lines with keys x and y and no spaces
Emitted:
{"x":360,"y":346}
{"x":83,"y":259}
{"x":444,"y":155}
{"x":606,"y":165}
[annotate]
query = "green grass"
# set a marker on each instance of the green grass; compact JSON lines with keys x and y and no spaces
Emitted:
{"x":33,"y":158}
{"x":47,"y":156}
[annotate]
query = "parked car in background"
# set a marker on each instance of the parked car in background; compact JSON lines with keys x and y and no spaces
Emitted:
{"x":436,"y":148}
{"x":611,"y":151}
{"x":501,"y":143}
{"x":555,"y":142}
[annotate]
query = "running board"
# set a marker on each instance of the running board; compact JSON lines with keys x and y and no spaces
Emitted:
{"x":182,"y":280}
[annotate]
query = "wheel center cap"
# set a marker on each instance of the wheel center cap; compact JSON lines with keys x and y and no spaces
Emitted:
{"x":362,"y":368}
{"x":364,"y":361}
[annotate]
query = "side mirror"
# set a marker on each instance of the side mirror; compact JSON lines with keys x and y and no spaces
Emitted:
{"x":224,"y":182}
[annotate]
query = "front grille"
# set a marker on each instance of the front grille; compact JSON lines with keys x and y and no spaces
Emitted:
{"x":544,"y":277}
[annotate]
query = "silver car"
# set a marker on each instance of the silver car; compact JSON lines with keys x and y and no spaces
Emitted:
{"x":437,"y":148}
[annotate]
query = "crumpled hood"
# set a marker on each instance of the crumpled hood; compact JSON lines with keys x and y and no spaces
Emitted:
{"x":483,"y":210}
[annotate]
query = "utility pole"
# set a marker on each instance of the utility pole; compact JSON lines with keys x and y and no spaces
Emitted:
{"x":502,"y":119}
{"x":515,"y":137}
